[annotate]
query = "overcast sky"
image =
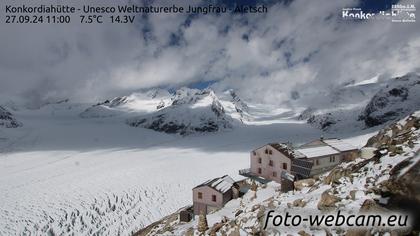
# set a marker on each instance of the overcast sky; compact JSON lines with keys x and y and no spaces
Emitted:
{"x":304,"y":44}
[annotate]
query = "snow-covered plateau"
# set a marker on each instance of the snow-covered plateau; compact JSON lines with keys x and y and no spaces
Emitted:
{"x":115,"y":167}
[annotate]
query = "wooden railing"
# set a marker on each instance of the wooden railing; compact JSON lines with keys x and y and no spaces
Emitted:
{"x":246,"y":171}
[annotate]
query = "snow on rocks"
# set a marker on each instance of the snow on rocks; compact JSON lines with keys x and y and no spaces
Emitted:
{"x":136,"y":103}
{"x":7,"y":119}
{"x":240,"y":106}
{"x":398,"y":99}
{"x":191,"y":111}
{"x":99,"y":111}
{"x":185,"y":112}
{"x":366,"y":105}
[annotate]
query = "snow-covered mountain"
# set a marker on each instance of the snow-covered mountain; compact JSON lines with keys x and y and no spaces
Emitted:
{"x":352,"y":105}
{"x":7,"y":119}
{"x":366,"y":104}
{"x":191,"y":111}
{"x":185,"y":112}
{"x":400,"y":97}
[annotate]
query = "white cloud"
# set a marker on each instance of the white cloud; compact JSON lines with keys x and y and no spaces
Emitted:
{"x":304,"y":44}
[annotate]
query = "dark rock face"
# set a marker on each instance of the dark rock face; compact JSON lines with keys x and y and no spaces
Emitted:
{"x":398,"y":99}
{"x":7,"y":120}
{"x":113,"y":102}
{"x":306,"y":114}
{"x":323,"y":121}
{"x":158,"y":124}
{"x":160,"y":105}
{"x":240,"y":106}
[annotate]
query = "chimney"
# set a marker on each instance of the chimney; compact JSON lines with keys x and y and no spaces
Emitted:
{"x":321,"y":138}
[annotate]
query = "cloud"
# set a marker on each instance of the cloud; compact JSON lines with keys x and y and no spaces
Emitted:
{"x":295,"y":46}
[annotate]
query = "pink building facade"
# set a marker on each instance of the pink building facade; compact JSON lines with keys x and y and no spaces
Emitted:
{"x":214,"y":194}
{"x":269,"y":161}
{"x":314,"y":158}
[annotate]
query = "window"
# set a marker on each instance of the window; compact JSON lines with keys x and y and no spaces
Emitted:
{"x":259,"y":170}
{"x":270,"y":163}
{"x":213,"y":198}
{"x":259,"y":160}
{"x":270,"y":152}
{"x":317,"y":162}
{"x":254,"y":153}
{"x":266,"y":151}
{"x":332,"y":158}
{"x":200,"y":195}
{"x":285,"y":166}
{"x":274,"y":174}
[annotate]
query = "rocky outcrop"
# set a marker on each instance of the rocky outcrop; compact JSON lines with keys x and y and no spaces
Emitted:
{"x":240,"y":106}
{"x":7,"y":119}
{"x":322,"y":121}
{"x":402,"y":189}
{"x":405,"y":184}
{"x":397,"y":133}
{"x":104,"y":109}
{"x":115,"y":102}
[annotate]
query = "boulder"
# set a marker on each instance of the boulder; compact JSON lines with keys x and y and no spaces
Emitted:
{"x":370,"y":205}
{"x":300,"y":184}
{"x":299,"y":203}
{"x":303,"y":233}
{"x":327,"y":201}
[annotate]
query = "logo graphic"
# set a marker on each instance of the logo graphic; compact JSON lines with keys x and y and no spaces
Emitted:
{"x":402,"y":13}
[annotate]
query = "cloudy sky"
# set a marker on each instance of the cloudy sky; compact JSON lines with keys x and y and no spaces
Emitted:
{"x":298,"y":45}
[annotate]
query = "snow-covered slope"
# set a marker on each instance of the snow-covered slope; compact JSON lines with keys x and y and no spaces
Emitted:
{"x":136,"y":103}
{"x":399,"y":98}
{"x":7,"y":119}
{"x":191,"y":111}
{"x":366,"y":104}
